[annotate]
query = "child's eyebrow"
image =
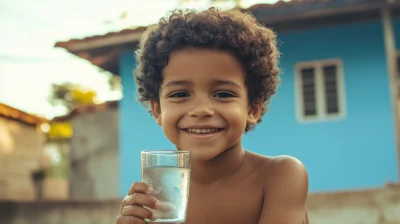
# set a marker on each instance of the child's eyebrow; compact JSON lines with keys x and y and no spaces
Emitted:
{"x":227,"y":82}
{"x":176,"y":83}
{"x":216,"y":82}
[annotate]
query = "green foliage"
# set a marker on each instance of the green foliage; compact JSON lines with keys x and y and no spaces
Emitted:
{"x":71,"y":95}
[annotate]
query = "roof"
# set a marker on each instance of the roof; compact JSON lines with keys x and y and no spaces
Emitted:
{"x":309,"y":8}
{"x":103,"y":50}
{"x":15,"y":114}
{"x":87,"y":109}
{"x":128,"y":34}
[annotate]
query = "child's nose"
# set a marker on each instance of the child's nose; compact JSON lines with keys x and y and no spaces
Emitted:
{"x":201,"y":110}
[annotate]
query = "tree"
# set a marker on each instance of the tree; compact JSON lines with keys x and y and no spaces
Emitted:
{"x":71,"y":95}
{"x":114,"y":81}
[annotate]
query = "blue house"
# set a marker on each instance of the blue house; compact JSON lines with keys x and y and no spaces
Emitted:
{"x":336,"y":109}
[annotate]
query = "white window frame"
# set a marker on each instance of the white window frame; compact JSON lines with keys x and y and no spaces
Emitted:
{"x":321,"y":115}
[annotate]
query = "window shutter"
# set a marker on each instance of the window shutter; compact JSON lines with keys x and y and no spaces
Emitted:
{"x":331,"y":89}
{"x":308,"y":91}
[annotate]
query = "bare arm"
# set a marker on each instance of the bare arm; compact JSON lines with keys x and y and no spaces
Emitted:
{"x":285,"y":192}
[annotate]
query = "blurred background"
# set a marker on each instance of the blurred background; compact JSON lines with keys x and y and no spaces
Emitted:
{"x":71,"y":129}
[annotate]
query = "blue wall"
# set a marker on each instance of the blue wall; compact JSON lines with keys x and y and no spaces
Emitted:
{"x":138,"y":130}
{"x":355,"y":152}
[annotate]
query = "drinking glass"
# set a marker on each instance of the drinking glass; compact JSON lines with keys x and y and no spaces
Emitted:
{"x":168,"y":173}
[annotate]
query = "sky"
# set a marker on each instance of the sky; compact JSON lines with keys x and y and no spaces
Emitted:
{"x":29,"y":63}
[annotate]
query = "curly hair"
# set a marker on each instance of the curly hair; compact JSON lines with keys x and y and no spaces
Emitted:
{"x":233,"y":31}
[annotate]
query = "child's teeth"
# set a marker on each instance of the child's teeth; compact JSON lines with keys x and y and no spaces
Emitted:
{"x":205,"y":130}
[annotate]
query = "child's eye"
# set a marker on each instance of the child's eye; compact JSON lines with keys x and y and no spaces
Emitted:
{"x":223,"y":94}
{"x":178,"y":94}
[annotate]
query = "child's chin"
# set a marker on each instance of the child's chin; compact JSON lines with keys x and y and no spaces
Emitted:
{"x":203,"y":155}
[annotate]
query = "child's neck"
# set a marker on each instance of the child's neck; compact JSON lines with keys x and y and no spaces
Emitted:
{"x":219,"y":168}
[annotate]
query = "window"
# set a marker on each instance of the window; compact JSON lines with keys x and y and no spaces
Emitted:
{"x":319,"y":90}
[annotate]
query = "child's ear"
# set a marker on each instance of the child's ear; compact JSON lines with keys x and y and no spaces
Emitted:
{"x":254,"y":113}
{"x":156,"y":111}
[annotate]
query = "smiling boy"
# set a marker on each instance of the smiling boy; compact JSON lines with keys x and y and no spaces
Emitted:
{"x":208,"y":77}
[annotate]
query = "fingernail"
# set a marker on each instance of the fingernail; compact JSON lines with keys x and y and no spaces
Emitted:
{"x":149,"y":190}
{"x":153,"y":217}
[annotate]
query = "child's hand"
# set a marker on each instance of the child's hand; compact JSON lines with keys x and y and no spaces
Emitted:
{"x":132,"y":207}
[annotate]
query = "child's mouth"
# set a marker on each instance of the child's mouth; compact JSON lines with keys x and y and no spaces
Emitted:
{"x":203,"y":130}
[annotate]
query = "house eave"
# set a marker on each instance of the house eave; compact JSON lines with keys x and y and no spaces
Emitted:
{"x":103,"y":50}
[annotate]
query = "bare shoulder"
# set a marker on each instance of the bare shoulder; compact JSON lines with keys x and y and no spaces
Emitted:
{"x":287,"y":170}
{"x":284,"y":180}
{"x":280,"y":171}
{"x":286,"y":164}
{"x":287,"y":180}
{"x":282,"y":164}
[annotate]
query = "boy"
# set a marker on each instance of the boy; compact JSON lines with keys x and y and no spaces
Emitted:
{"x":208,"y":78}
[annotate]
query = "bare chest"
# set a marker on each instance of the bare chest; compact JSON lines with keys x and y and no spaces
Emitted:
{"x":239,"y":203}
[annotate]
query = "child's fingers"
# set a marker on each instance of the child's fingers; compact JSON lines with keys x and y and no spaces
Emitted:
{"x":140,"y":187}
{"x":165,"y":210}
{"x":121,"y":219}
{"x":165,"y":206}
{"x":139,"y":199}
{"x":137,"y":211}
{"x":133,"y":207}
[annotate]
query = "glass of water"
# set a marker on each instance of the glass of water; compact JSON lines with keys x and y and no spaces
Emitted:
{"x":168,"y":173}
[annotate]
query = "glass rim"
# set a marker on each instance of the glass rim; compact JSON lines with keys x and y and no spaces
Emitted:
{"x":164,"y":152}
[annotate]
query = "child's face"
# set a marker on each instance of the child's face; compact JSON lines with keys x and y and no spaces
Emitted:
{"x":203,"y":105}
